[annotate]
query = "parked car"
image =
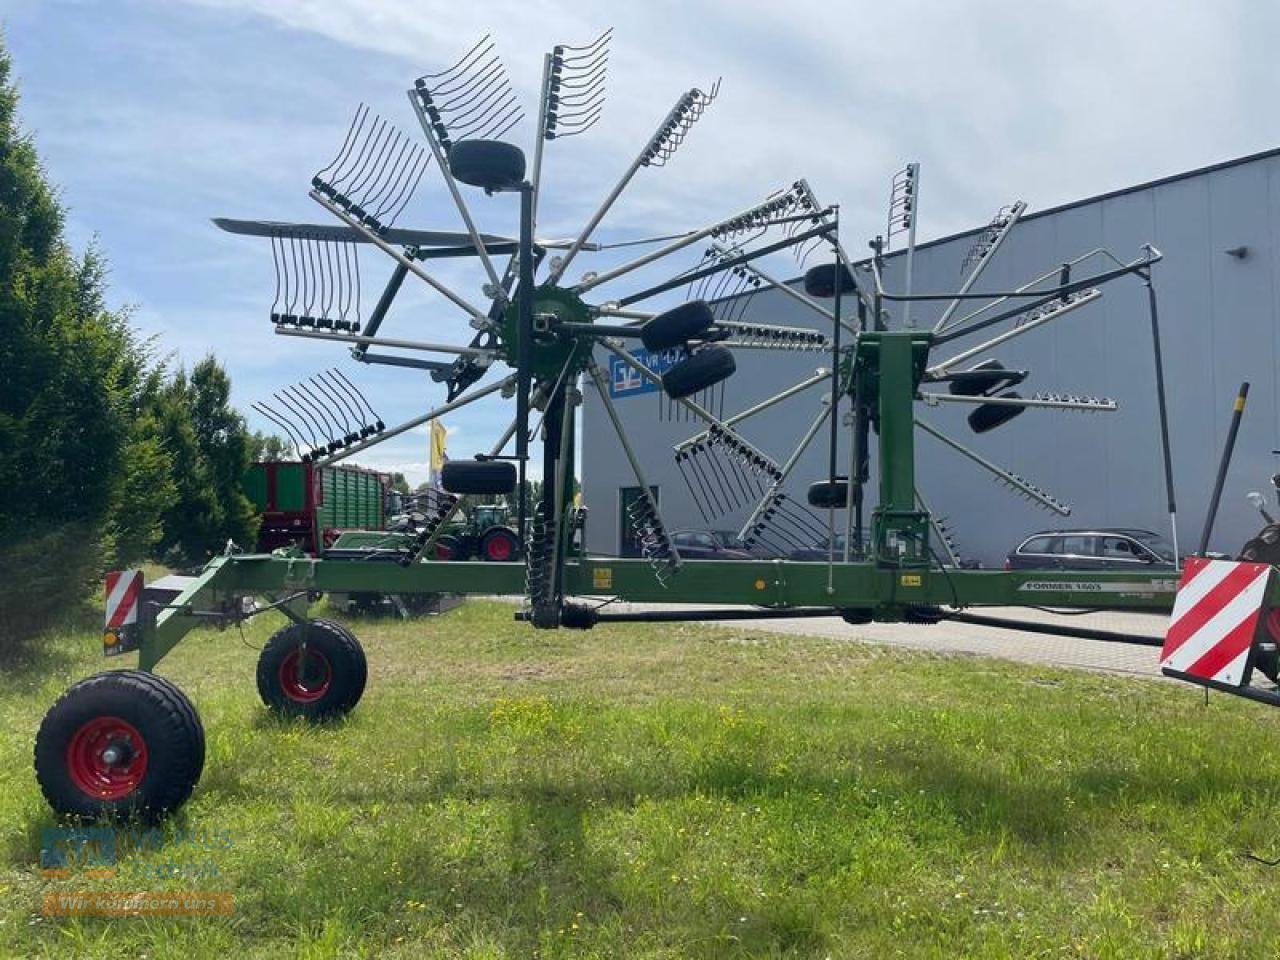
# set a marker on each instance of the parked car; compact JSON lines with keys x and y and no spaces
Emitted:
{"x":819,"y":551}
{"x":1106,"y":548}
{"x":709,"y":545}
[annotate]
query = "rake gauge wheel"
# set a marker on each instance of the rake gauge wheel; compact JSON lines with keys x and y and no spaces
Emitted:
{"x":821,"y":281}
{"x":119,"y":744}
{"x":698,"y":371}
{"x":319,"y":679}
{"x":677,"y":326}
{"x":479,"y":477}
{"x":491,"y":165}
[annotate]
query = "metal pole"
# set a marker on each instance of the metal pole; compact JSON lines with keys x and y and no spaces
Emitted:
{"x":1237,"y":413}
{"x":1162,"y":406}
{"x":524,"y":349}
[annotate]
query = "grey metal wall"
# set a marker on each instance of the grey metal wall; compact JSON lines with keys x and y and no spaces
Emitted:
{"x":1219,"y":326}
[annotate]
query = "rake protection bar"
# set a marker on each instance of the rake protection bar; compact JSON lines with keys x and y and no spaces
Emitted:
{"x":824,"y":230}
{"x":757,"y":213}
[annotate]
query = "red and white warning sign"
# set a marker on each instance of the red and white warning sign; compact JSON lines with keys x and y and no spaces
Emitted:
{"x":124,"y":588}
{"x":1215,"y":618}
{"x":124,"y":592}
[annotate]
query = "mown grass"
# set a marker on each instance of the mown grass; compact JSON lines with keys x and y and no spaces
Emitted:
{"x":685,"y":791}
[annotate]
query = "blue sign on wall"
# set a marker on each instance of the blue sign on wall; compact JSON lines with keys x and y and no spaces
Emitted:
{"x":624,"y":381}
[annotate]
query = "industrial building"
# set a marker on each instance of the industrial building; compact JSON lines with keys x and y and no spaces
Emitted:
{"x":1219,"y":307}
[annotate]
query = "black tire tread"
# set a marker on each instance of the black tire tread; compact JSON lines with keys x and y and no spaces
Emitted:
{"x":181,"y":719}
{"x":347,"y":660}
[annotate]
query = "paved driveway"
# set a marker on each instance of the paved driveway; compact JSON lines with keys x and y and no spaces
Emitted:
{"x":964,"y":638}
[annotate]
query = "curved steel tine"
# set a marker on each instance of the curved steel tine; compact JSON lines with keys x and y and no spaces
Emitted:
{"x":375,"y":165}
{"x":357,"y":122}
{"x":326,"y":407}
{"x":421,"y":160}
{"x":356,"y":171}
{"x":480,"y":121}
{"x":495,"y":91}
{"x":275,"y":268}
{"x":582,"y":77}
{"x":325,"y":428}
{"x":458,"y":86}
{"x":263,"y":409}
{"x":388,"y":184}
{"x":369,"y":126}
{"x":303,"y":425}
{"x":603,"y":38}
{"x":356,"y":391}
{"x":475,"y":89}
{"x":335,"y":405}
{"x":461,"y":64}
{"x":341,"y":256}
{"x":352,"y":407}
{"x":302,"y":286}
{"x":503,"y":125}
{"x":327,"y":281}
{"x":314,"y":280}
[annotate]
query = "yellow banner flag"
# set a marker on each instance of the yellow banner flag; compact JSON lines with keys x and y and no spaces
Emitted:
{"x":438,"y":437}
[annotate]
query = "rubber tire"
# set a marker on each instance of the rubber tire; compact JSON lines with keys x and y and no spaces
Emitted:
{"x":448,"y":548}
{"x":991,"y":415}
{"x":820,"y":281}
{"x":163,"y":715}
{"x":499,"y":533}
{"x":699,"y":371}
{"x":488,"y":164}
{"x":826,"y":495}
{"x":983,"y":386}
{"x":478,"y":477}
{"x":346,"y":659}
{"x":677,"y":325}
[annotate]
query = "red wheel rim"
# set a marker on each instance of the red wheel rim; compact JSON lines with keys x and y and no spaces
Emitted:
{"x":499,"y":548}
{"x":107,"y":758}
{"x":305,"y":681}
{"x":444,"y":551}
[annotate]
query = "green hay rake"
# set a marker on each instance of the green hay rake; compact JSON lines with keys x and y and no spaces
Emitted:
{"x":130,"y":742}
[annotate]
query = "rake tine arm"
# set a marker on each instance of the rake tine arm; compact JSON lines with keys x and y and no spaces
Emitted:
{"x":937,"y":529}
{"x":787,"y":467}
{"x":1052,"y":402}
{"x":1027,"y":489}
{"x":1053,"y":309}
{"x":1000,"y":235}
{"x":671,"y":122}
{"x":597,"y":379}
{"x":430,"y":415}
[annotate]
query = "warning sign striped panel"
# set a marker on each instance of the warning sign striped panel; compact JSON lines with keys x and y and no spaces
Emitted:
{"x":1215,"y":618}
{"x":124,"y":588}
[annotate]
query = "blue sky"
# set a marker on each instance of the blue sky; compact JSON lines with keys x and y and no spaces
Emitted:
{"x":154,"y":117}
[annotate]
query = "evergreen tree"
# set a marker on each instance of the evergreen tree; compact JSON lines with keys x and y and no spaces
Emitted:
{"x":68,"y":367}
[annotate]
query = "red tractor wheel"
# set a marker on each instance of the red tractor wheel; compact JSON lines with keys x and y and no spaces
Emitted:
{"x":499,"y":545}
{"x":315,"y":670}
{"x":447,"y":548}
{"x":123,"y":743}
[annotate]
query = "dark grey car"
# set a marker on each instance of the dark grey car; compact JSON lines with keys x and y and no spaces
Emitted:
{"x":1107,"y":548}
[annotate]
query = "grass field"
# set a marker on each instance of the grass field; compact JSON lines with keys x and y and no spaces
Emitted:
{"x":682,"y":791}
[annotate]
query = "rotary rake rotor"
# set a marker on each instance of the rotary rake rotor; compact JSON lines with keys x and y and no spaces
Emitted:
{"x":528,"y":313}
